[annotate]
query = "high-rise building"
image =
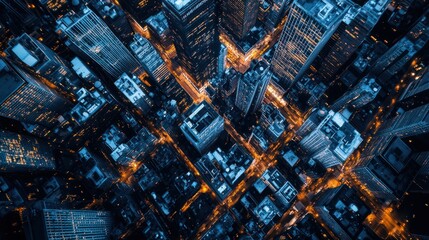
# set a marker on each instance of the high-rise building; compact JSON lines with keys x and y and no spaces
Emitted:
{"x":410,"y":123}
{"x":129,"y":87}
{"x":239,"y":16}
{"x":139,"y":145}
{"x":309,"y":27}
{"x":258,"y":139}
{"x":194,"y":29}
{"x":5,"y":36}
{"x":88,"y":33}
{"x":141,"y":9}
{"x":24,"y":153}
{"x":114,"y":17}
{"x":400,"y":12}
{"x":56,"y":8}
{"x":363,"y":93}
{"x":394,"y":60}
{"x":387,"y":168}
{"x":276,"y":12}
{"x":224,"y":170}
{"x":40,"y":60}
{"x":422,"y":178}
{"x":159,"y":29}
{"x":25,"y":99}
{"x":331,"y":139}
{"x":157,"y":69}
{"x":150,"y":59}
{"x":343,"y":212}
{"x":352,"y":31}
{"x":272,"y":121}
{"x":417,"y":92}
{"x":19,"y":13}
{"x":252,"y":87}
{"x":316,"y":116}
{"x":91,"y":115}
{"x":57,"y":224}
{"x":202,"y":126}
{"x":264,"y":8}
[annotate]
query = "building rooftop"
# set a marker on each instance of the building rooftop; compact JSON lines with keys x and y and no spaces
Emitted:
{"x":146,"y":53}
{"x":273,"y":178}
{"x":307,"y":228}
{"x":72,"y":17}
{"x":112,"y":137}
{"x":326,"y":12}
{"x":253,"y":75}
{"x":224,"y":170}
{"x":130,"y":89}
{"x":80,"y":68}
{"x":345,"y":138}
{"x":199,"y":117}
{"x":107,"y":9}
{"x":31,"y":52}
{"x":89,"y":104}
{"x":391,"y":161}
{"x":146,"y":177}
{"x":287,"y":193}
{"x":259,"y":140}
{"x":345,"y":208}
{"x":397,"y":154}
{"x":266,"y":211}
{"x":158,"y":23}
{"x":291,"y":158}
{"x":179,"y":4}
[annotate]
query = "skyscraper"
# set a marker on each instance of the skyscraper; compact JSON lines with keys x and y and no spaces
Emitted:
{"x":57,"y":224}
{"x":86,"y":32}
{"x":150,"y":59}
{"x":252,"y":87}
{"x":422,"y":178}
{"x":5,"y":36}
{"x":410,"y":123}
{"x":276,"y":12}
{"x":309,"y":26}
{"x":331,"y":139}
{"x":391,"y":62}
{"x":387,"y":168}
{"x":202,"y":125}
{"x":25,"y":99}
{"x":272,"y":121}
{"x":19,"y":13}
{"x":239,"y":16}
{"x":114,"y":17}
{"x":24,"y":153}
{"x":41,"y":60}
{"x":141,"y":9}
{"x":363,"y":93}
{"x":343,"y":212}
{"x":353,"y":29}
{"x":195,"y":36}
{"x":159,"y":29}
{"x":417,"y":92}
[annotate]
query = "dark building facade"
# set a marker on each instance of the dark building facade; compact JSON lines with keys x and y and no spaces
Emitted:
{"x":239,"y":16}
{"x":195,"y":35}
